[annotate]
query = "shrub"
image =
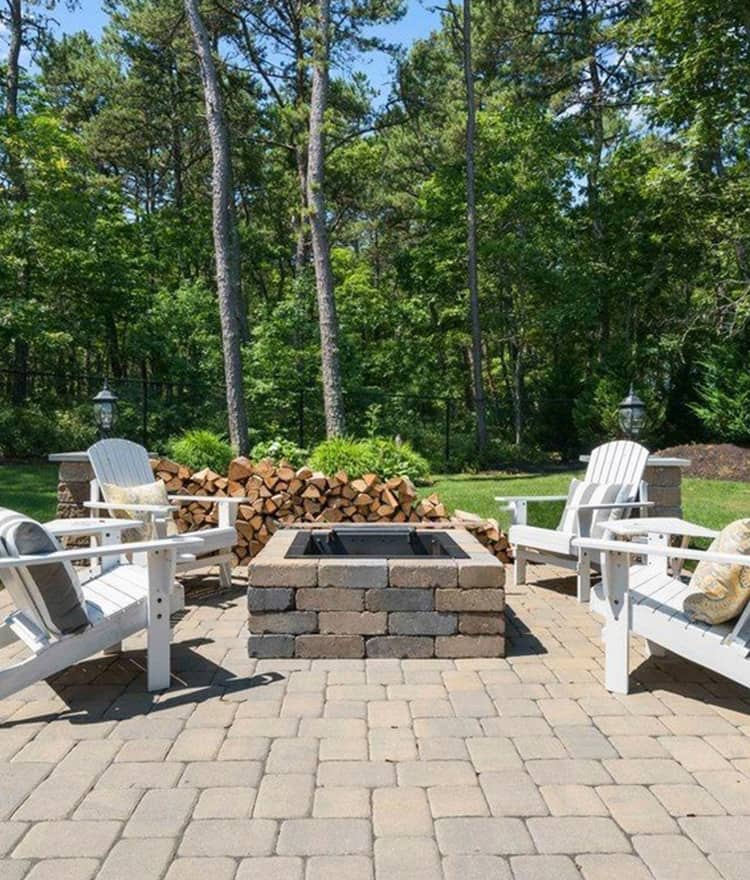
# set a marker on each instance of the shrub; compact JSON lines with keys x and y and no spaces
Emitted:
{"x":279,"y":449}
{"x":377,"y":455}
{"x":723,"y":404}
{"x":28,"y":431}
{"x":198,"y":449}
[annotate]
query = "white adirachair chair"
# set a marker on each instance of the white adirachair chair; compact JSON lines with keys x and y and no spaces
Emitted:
{"x":126,"y":464}
{"x":639,"y":595}
{"x":62,"y":621}
{"x":620,"y":463}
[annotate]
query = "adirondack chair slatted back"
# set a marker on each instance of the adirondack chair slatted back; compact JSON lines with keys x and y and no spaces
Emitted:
{"x":120,"y":463}
{"x":620,"y":462}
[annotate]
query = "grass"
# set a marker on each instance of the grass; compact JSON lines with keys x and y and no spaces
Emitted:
{"x":31,"y":489}
{"x":712,"y":503}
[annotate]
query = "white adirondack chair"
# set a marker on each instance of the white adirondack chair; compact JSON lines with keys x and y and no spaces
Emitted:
{"x":621,"y":462}
{"x":124,"y":463}
{"x":121,"y":600}
{"x":645,"y":599}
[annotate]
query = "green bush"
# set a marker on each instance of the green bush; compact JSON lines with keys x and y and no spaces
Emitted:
{"x":199,"y":449}
{"x":279,"y":449}
{"x":723,"y":404}
{"x":376,"y":455}
{"x":29,"y":432}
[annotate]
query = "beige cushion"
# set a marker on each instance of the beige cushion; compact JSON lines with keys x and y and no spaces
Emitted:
{"x":148,"y":493}
{"x":722,"y":590}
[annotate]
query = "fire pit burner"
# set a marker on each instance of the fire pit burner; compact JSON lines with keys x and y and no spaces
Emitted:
{"x":374,"y":542}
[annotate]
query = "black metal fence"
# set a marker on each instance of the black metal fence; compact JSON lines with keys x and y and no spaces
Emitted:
{"x":439,"y":426}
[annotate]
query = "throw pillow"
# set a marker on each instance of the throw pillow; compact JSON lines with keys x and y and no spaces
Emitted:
{"x":722,"y":590}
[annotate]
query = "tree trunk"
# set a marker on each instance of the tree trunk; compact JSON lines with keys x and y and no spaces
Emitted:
{"x":226,"y":241}
{"x":333,"y":398}
{"x":14,"y":53}
{"x":480,"y":407}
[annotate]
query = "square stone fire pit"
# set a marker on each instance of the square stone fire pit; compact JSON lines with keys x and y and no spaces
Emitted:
{"x":376,"y":591}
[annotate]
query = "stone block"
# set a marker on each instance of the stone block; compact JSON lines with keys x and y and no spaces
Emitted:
{"x":362,"y":574}
{"x":400,"y":646}
{"x":330,"y":599}
{"x":665,"y":496}
{"x":353,"y":622}
{"x":270,"y":599}
{"x":482,"y":570}
{"x":469,"y":646}
{"x":312,"y":646}
{"x":481,"y":624}
{"x":290,"y":573}
{"x":662,"y":476}
{"x":394,"y":599}
{"x":75,"y":472}
{"x":421,"y":623}
{"x":422,"y":573}
{"x":287,"y":623}
{"x":270,"y":646}
{"x":470,"y":600}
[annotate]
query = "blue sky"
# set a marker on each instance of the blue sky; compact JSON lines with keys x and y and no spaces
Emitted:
{"x":419,"y":20}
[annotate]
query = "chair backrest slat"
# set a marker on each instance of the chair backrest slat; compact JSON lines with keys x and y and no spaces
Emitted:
{"x":621,"y":461}
{"x":120,"y":463}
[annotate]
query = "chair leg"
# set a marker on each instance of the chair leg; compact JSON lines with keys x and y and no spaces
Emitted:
{"x":225,"y":575}
{"x":616,"y":629}
{"x":584,"y":576}
{"x":519,"y":567}
{"x":159,"y":631}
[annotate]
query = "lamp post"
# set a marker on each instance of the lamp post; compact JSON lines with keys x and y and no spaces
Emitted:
{"x":632,"y":415}
{"x":105,"y":410}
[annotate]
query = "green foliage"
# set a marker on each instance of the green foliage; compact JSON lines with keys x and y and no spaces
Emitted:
{"x":30,"y":431}
{"x":376,"y":455}
{"x":278,"y":450}
{"x":199,"y":449}
{"x":723,"y":404}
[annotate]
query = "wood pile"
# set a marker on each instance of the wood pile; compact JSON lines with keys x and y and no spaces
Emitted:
{"x":486,"y":531}
{"x":279,"y":495}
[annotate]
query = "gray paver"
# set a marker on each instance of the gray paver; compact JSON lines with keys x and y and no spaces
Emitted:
{"x":407,"y":858}
{"x":228,"y":837}
{"x":321,"y":837}
{"x":145,"y":859}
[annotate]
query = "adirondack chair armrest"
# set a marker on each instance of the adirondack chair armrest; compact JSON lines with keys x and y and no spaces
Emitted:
{"x":527,"y":498}
{"x":631,"y":549}
{"x":615,"y":505}
{"x":157,"y":510}
{"x":177,"y":544}
{"x":210,"y":499}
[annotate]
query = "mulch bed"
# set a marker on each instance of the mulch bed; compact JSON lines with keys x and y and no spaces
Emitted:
{"x":719,"y":461}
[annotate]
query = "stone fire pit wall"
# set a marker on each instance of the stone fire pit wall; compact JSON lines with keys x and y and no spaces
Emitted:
{"x":337,"y":607}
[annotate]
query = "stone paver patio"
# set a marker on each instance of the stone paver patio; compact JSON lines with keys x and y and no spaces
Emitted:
{"x":520,"y":768}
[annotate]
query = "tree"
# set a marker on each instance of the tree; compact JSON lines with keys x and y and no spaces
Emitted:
{"x":333,"y":398}
{"x":226,"y":240}
{"x":471,"y":233}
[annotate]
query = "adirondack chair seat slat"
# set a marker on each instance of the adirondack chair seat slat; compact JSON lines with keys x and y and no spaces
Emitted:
{"x":545,"y":539}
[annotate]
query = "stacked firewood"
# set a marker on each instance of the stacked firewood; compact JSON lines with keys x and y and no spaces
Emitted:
{"x":486,"y":531}
{"x":274,"y":496}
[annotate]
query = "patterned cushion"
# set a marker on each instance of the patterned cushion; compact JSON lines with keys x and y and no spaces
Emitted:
{"x":148,"y":493}
{"x":723,"y":590}
{"x":590,"y":521}
{"x":49,"y":593}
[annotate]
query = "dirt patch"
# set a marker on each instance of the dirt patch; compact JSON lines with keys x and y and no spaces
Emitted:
{"x":719,"y":461}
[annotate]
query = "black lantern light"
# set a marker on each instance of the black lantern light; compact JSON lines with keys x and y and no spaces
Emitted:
{"x":105,"y":410}
{"x":632,"y":415}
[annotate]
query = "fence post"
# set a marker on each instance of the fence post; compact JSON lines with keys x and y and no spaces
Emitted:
{"x":144,"y":411}
{"x":301,"y":418}
{"x":447,"y":432}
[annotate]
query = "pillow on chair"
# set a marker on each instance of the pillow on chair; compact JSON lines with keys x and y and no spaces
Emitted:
{"x":148,"y":493}
{"x":50,"y":593}
{"x":590,"y":522}
{"x":723,"y":590}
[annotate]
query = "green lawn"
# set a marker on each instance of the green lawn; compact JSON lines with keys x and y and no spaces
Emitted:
{"x":31,"y":489}
{"x":712,"y":503}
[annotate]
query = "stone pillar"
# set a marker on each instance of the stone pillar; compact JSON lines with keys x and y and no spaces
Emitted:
{"x":74,"y":476}
{"x":665,"y":486}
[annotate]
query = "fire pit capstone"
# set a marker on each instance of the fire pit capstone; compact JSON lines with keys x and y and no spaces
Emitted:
{"x":376,"y":591}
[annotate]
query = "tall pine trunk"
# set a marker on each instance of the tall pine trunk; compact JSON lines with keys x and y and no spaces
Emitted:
{"x":333,"y":398}
{"x":226,"y":240}
{"x":480,"y":408}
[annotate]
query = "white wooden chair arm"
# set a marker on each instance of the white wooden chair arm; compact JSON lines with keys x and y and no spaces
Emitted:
{"x":528,"y":498}
{"x":156,"y":509}
{"x":176,"y":544}
{"x":631,"y":549}
{"x":210,"y":499}
{"x":615,"y":505}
